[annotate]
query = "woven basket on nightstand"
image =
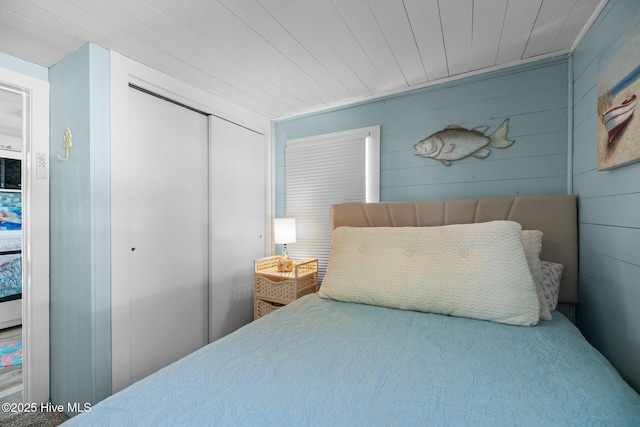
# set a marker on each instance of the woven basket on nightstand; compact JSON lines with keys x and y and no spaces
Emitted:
{"x":274,"y":289}
{"x":262,"y":308}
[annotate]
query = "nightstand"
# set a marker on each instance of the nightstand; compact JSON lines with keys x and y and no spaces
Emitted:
{"x":274,"y":289}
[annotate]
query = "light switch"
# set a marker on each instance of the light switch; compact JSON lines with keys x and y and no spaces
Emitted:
{"x":41,"y":166}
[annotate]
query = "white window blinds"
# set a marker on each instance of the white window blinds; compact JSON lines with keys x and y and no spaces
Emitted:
{"x":324,"y":170}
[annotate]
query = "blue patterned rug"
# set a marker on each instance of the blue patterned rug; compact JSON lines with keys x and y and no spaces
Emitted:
{"x":11,"y":352}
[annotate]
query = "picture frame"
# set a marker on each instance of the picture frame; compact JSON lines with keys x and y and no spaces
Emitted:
{"x":618,"y":93}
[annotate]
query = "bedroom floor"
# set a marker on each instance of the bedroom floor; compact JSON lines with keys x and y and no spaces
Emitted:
{"x":11,"y":392}
{"x":11,"y":376}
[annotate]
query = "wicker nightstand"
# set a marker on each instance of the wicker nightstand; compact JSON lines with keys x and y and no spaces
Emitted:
{"x":273,"y":289}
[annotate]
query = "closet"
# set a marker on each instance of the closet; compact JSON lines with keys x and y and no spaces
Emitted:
{"x":168,"y":232}
{"x":188,"y":218}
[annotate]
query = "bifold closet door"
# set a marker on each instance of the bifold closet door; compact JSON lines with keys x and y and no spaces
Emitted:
{"x":168,"y":288}
{"x":238,"y":217}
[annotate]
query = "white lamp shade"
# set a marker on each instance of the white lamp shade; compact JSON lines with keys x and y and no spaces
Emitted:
{"x":284,"y":230}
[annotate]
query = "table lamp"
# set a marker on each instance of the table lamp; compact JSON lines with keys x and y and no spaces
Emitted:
{"x":284,"y":231}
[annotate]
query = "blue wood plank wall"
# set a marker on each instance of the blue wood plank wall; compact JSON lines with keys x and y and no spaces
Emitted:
{"x":24,"y":67}
{"x":609,"y":210}
{"x":533,"y":97}
{"x":80,"y":296}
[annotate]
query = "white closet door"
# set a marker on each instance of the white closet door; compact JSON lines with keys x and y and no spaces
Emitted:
{"x":168,"y":176}
{"x":238,"y":218}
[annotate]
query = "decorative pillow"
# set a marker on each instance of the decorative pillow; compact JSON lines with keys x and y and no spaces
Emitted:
{"x":551,"y":275}
{"x":532,"y":243}
{"x":467,"y":270}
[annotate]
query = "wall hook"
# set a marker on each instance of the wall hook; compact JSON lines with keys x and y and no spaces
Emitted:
{"x":67,"y":144}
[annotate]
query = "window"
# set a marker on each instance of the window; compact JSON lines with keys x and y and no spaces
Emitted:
{"x":324,"y":170}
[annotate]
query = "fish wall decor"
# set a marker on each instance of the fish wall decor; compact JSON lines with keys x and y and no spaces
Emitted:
{"x":455,"y":143}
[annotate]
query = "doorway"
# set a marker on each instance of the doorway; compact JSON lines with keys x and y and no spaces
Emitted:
{"x":11,"y":136}
{"x":33,"y":96}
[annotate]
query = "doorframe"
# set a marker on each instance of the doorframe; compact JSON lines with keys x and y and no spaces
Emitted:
{"x":35,"y":235}
{"x":125,"y":71}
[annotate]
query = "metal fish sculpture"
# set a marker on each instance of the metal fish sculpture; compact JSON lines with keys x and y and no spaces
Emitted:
{"x":455,"y":143}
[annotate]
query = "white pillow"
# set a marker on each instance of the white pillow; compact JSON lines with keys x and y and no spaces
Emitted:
{"x":532,"y":243}
{"x":467,"y":270}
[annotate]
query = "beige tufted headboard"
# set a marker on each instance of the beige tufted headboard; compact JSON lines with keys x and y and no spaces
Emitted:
{"x":555,"y":216}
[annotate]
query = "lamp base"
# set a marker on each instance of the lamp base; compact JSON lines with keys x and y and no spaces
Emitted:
{"x":285,"y":264}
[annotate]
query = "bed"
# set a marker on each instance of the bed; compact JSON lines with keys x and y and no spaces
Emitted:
{"x":324,"y":360}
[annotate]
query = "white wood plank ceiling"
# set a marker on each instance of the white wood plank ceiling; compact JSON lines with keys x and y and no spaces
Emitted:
{"x":285,"y":57}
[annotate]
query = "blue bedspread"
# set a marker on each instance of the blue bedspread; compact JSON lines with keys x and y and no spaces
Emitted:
{"x":321,"y":362}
